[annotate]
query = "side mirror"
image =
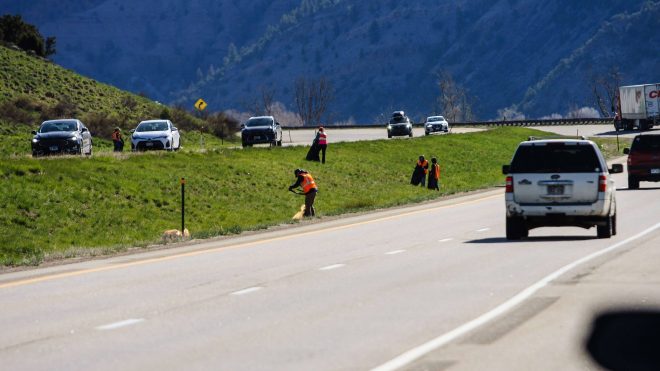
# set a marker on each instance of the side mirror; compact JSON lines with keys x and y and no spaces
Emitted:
{"x":616,"y":168}
{"x":242,"y":126}
{"x":132,"y":130}
{"x":84,"y":130}
{"x":626,"y":151}
{"x":505,"y":169}
{"x":34,"y":132}
{"x":174,"y":128}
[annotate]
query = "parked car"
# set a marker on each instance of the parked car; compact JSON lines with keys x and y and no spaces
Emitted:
{"x":399,"y":125}
{"x":65,"y":136}
{"x":434,"y":124}
{"x":643,"y":160}
{"x":155,"y":134}
{"x":261,"y":129}
{"x":559,"y":182}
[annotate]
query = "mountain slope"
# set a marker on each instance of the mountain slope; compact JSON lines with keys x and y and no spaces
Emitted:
{"x":380,"y":56}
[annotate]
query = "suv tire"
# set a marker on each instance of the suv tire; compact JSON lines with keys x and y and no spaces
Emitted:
{"x":515,"y":229}
{"x":633,"y":183}
{"x":606,"y":231}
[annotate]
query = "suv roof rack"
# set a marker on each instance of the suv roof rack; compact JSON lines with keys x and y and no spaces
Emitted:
{"x":581,"y":137}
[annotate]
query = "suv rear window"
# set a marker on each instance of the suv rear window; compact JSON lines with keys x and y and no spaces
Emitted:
{"x":647,"y":143}
{"x":555,"y":158}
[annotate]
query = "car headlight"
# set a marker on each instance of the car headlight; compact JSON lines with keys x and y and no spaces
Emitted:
{"x":35,"y":140}
{"x":389,"y":127}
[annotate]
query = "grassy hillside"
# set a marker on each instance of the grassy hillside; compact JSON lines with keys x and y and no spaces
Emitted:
{"x":67,"y":206}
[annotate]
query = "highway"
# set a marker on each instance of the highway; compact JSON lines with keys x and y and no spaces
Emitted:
{"x":433,"y":286}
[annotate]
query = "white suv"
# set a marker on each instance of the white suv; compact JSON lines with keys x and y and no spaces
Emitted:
{"x":559,"y":182}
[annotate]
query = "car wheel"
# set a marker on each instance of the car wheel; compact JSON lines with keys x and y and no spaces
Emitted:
{"x":515,"y":228}
{"x":410,"y":134}
{"x":633,"y":183}
{"x":389,"y":135}
{"x":244,"y":145}
{"x":614,"y":224}
{"x":605,"y":231}
{"x":279,"y":143}
{"x":426,"y":133}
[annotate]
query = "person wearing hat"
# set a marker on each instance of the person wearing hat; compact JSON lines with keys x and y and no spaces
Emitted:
{"x":306,"y":182}
{"x":322,"y":140}
{"x":118,"y":140}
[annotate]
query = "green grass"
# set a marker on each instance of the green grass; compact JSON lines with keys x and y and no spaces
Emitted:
{"x":45,"y":82}
{"x":67,"y":206}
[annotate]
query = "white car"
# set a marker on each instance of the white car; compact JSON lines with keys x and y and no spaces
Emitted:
{"x":155,"y":134}
{"x":559,"y":182}
{"x":434,"y":124}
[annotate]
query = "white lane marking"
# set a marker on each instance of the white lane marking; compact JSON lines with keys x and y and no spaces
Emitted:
{"x":247,"y":291}
{"x":395,"y":252}
{"x":483,"y":230}
{"x":445,"y":239}
{"x":331,"y":267}
{"x":415,"y":353}
{"x":116,"y":325}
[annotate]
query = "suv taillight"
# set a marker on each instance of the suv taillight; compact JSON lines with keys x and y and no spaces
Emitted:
{"x":509,"y":184}
{"x":602,"y":183}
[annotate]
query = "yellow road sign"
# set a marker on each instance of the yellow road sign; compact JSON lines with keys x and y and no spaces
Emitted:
{"x":200,"y":104}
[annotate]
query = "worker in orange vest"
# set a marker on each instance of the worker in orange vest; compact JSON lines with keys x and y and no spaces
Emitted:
{"x":306,"y":182}
{"x":117,"y":140}
{"x":434,"y":175}
{"x":322,"y":140}
{"x":419,"y":174}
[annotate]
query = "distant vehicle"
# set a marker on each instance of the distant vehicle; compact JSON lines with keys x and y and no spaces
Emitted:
{"x":638,"y":107}
{"x":66,"y":136}
{"x":261,"y":129}
{"x":155,"y":134}
{"x":399,"y":125}
{"x":434,"y":124}
{"x":643,"y":160}
{"x":559,"y":182}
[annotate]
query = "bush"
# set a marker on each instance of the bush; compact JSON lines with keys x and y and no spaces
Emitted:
{"x":101,"y":124}
{"x":221,"y":125}
{"x":64,"y":108}
{"x":182,"y":119}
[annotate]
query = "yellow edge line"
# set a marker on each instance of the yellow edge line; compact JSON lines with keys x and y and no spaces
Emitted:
{"x":240,"y":245}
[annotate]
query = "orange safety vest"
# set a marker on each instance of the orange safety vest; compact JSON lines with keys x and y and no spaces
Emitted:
{"x":436,"y":171}
{"x":423,"y":165}
{"x":116,"y":136}
{"x":323,"y":138}
{"x":308,"y":183}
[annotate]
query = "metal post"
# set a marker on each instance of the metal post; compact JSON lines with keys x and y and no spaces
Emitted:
{"x":183,"y":205}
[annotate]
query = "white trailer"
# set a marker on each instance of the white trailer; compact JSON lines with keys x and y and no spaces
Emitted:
{"x":639,"y":107}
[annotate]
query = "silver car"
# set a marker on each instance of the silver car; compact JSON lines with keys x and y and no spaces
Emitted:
{"x":435,"y":124}
{"x":155,"y":134}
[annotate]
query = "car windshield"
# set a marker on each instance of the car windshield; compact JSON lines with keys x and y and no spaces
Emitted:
{"x":258,"y":122}
{"x":152,"y":126}
{"x":555,"y":158}
{"x":58,"y":126}
{"x":435,"y":118}
{"x":398,"y":120}
{"x":647,"y":143}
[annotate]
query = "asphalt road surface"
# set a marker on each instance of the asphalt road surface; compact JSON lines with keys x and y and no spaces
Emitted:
{"x":305,"y":136}
{"x":428,"y":287}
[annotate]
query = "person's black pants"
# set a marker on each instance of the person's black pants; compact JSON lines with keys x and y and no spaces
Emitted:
{"x":323,"y":148}
{"x":309,"y":203}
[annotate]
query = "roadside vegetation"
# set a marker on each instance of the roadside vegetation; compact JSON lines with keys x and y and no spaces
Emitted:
{"x":70,"y":206}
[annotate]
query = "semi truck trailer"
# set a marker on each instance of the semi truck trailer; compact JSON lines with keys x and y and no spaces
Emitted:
{"x":638,"y":107}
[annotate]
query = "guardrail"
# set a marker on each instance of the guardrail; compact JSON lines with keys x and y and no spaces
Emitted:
{"x":546,"y":122}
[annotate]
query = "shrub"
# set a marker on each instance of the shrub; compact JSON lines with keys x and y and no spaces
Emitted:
{"x":221,"y":125}
{"x":101,"y":124}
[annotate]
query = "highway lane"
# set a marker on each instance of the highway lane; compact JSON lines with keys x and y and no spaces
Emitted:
{"x":305,"y":136}
{"x":352,"y":293}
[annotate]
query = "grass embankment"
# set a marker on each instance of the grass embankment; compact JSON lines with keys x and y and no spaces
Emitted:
{"x":69,"y":206}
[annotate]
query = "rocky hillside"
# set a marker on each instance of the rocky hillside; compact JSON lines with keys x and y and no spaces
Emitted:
{"x":533,"y":55}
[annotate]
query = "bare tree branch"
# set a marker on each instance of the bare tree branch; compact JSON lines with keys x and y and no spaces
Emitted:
{"x":312,"y":98}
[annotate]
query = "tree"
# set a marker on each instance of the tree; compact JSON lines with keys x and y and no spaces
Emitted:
{"x":26,"y":36}
{"x":312,"y":98}
{"x":604,"y":88}
{"x":454,"y":102}
{"x":262,"y":105}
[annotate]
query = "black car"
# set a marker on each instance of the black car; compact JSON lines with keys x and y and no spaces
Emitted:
{"x":261,"y":129}
{"x":66,"y":136}
{"x":399,"y":125}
